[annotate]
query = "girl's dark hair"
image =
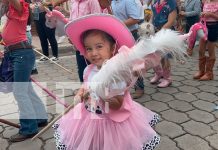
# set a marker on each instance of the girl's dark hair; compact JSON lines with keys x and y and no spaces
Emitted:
{"x":105,"y":36}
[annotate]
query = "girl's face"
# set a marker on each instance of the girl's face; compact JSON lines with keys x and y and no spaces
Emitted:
{"x":98,"y":49}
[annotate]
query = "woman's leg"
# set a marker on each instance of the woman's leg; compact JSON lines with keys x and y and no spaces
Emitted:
{"x":38,"y":106}
{"x":210,"y":62}
{"x":40,"y":28}
{"x":23,"y":61}
{"x":52,"y":40}
{"x":202,"y":60}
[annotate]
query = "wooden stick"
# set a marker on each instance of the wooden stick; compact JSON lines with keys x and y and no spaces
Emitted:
{"x":50,"y":93}
{"x":53,"y":61}
{"x":9,"y":123}
{"x":76,"y":101}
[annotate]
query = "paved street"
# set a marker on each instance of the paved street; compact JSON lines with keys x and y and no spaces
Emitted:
{"x":189,"y":120}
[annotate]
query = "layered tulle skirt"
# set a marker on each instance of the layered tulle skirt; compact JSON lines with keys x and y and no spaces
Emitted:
{"x":80,"y":129}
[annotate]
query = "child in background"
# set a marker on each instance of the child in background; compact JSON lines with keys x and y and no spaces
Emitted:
{"x":164,"y":16}
{"x":96,"y":124}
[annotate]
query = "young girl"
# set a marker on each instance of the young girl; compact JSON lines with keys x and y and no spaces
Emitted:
{"x":104,"y":124}
{"x":32,"y":112}
{"x":206,"y":64}
{"x":164,"y":16}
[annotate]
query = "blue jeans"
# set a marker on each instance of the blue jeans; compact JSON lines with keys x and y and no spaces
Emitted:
{"x":29,"y":39}
{"x":32,"y":110}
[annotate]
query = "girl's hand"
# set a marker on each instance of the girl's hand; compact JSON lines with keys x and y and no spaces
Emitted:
{"x":83,"y":94}
{"x":79,"y":93}
{"x":182,"y":13}
{"x":115,"y":102}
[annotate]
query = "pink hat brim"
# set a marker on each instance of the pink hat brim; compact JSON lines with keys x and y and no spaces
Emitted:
{"x":105,"y":22}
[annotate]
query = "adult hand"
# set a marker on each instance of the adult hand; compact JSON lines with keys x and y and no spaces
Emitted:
{"x":206,"y":14}
{"x":182,"y":13}
{"x":55,"y":3}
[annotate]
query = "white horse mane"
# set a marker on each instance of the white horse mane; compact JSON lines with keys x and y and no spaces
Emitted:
{"x":120,"y":68}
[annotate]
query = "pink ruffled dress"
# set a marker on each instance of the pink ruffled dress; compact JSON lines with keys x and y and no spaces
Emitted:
{"x":90,"y":126}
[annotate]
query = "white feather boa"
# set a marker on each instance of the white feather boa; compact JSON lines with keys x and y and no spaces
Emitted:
{"x":120,"y":67}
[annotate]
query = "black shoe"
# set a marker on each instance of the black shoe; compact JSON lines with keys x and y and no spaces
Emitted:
{"x":34,"y":71}
{"x":19,"y":137}
{"x":138,"y":94}
{"x":42,"y":124}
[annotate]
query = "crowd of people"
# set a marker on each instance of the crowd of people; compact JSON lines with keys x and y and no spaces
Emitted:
{"x":103,"y":123}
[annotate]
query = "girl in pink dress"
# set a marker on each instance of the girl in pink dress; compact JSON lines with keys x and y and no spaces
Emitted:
{"x":117,"y":123}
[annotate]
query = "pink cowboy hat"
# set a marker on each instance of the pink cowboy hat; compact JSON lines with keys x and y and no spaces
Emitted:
{"x":104,"y":22}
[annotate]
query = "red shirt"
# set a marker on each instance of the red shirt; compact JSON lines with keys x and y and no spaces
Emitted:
{"x":15,"y":28}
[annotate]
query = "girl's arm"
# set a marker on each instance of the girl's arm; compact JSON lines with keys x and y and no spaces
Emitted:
{"x":115,"y":102}
{"x":171,"y":19}
{"x":17,"y":5}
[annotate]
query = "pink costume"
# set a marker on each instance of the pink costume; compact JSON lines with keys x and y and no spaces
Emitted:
{"x":93,"y":126}
{"x":198,"y":30}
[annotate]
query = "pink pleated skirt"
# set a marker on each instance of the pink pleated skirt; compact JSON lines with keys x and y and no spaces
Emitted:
{"x":80,"y":129}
